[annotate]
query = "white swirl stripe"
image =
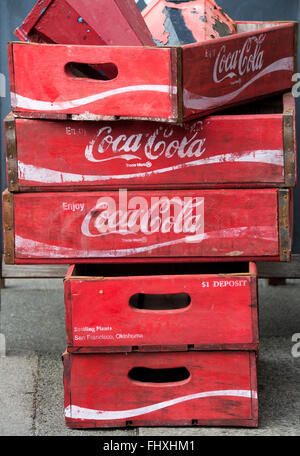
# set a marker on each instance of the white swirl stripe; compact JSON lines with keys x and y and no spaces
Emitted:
{"x":191,"y":101}
{"x":18,"y":101}
{"x":80,"y":413}
{"x":198,"y":102}
{"x":38,"y":249}
{"x":48,"y":176}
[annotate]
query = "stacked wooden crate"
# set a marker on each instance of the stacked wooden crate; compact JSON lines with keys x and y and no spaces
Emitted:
{"x":161,"y":300}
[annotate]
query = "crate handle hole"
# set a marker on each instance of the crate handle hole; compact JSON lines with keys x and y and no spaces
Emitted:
{"x":159,"y":376}
{"x":150,"y":302}
{"x":100,"y":72}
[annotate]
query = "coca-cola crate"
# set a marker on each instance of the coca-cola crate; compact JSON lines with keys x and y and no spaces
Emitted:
{"x":253,"y":145}
{"x":88,"y":22}
{"x":161,"y":307}
{"x":156,"y":226}
{"x":161,"y":389}
{"x":170,"y":84}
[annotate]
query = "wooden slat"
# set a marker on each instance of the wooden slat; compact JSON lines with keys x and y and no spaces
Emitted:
{"x":33,"y":271}
{"x":281,"y":270}
{"x":265,"y":270}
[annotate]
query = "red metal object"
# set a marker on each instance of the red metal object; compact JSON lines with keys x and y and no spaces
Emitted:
{"x":191,"y":309}
{"x":159,"y":83}
{"x":178,"y":22}
{"x":186,"y":225}
{"x":249,"y":150}
{"x":88,"y":22}
{"x":161,"y":389}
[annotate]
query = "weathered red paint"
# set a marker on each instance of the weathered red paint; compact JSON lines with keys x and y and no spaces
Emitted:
{"x":180,"y":22}
{"x":211,"y":225}
{"x":241,"y":68}
{"x":164,"y":83}
{"x":116,"y":313}
{"x":88,"y":22}
{"x":221,"y":389}
{"x":226,"y":150}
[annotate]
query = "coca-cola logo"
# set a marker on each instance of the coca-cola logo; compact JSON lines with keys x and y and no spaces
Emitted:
{"x":158,"y":214}
{"x":248,"y":59}
{"x":164,"y":142}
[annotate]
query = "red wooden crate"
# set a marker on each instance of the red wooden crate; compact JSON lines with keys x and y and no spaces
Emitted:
{"x":186,"y":225}
{"x":161,"y":389}
{"x":161,"y":307}
{"x":157,"y":83}
{"x":256,"y":147}
{"x":88,"y":22}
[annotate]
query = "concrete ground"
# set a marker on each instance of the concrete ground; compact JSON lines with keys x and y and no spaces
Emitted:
{"x":31,"y":386}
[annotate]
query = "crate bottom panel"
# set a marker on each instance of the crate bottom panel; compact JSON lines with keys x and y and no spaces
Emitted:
{"x":163,"y":348}
{"x":68,"y":261}
{"x":190,"y":423}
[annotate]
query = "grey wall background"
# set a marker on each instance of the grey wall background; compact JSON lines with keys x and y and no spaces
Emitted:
{"x":12,"y":13}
